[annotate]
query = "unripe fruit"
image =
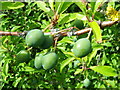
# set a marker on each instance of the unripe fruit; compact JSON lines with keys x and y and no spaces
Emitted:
{"x":49,"y":60}
{"x":22,"y":56}
{"x":82,"y":47}
{"x":34,"y":38}
{"x":38,"y":61}
{"x":86,"y":82}
{"x":48,"y":41}
{"x":78,"y":23}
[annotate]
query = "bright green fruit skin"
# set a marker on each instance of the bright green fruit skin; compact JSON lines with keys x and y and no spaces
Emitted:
{"x":86,"y":82}
{"x":49,"y":60}
{"x":22,"y":56}
{"x":34,"y":38}
{"x":82,"y":47}
{"x":48,"y":41}
{"x":38,"y":61}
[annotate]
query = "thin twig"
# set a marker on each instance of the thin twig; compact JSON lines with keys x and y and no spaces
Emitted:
{"x":93,"y":17}
{"x":65,"y":30}
{"x":79,"y":32}
{"x":55,"y":42}
{"x":88,"y":19}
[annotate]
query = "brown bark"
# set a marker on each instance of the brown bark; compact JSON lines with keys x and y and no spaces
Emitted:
{"x":79,"y":32}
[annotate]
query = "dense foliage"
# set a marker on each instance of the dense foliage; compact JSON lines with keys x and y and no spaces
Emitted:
{"x":69,"y":71}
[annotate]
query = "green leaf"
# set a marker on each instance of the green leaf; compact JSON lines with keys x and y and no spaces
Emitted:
{"x":66,"y":40}
{"x":3,"y":50}
{"x":15,"y":83}
{"x":105,"y":70}
{"x":61,"y":48}
{"x":4,"y":78}
{"x":94,"y":5}
{"x":82,"y":6}
{"x":16,"y":5}
{"x":27,"y":68}
{"x":96,"y":31}
{"x":65,"y":6}
{"x":69,"y":53}
{"x":1,"y":58}
{"x":78,"y":71}
{"x":11,"y":5}
{"x":66,"y":18}
{"x":4,"y":5}
{"x":42,"y":5}
{"x":111,"y":83}
{"x":97,"y":4}
{"x":15,"y":28}
{"x":104,"y":58}
{"x":93,"y":53}
{"x":111,"y":4}
{"x":6,"y":67}
{"x":102,"y":86}
{"x":2,"y":15}
{"x":60,"y":7}
{"x":108,"y":44}
{"x":66,"y":62}
{"x":51,"y":4}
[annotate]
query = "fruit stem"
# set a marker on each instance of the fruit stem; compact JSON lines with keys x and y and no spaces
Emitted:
{"x":89,"y":34}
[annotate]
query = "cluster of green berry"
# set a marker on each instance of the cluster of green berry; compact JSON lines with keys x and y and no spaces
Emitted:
{"x":36,"y":38}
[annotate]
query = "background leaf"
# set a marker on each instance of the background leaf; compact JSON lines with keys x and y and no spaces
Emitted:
{"x":65,"y":62}
{"x":6,"y":67}
{"x":78,"y":71}
{"x":2,"y":15}
{"x":92,"y":54}
{"x":15,"y":28}
{"x":66,"y":18}
{"x":15,"y":83}
{"x":95,"y":5}
{"x":28,"y":69}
